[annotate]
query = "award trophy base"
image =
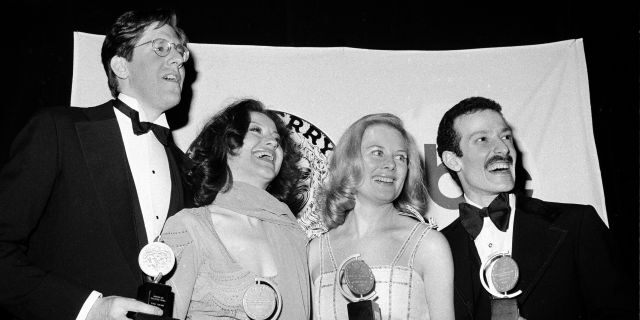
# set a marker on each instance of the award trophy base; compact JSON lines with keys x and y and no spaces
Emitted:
{"x":363,"y":310}
{"x":155,"y":294}
{"x":504,"y":309}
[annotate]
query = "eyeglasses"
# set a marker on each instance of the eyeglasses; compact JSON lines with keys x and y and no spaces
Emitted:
{"x":162,"y":48}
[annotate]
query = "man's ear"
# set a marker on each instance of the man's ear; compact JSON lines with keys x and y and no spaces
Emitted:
{"x":120,"y":67}
{"x":452,"y":161}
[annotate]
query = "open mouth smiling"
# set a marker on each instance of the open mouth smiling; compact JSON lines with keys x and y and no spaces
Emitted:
{"x":499,"y":164}
{"x":264,"y":155}
{"x":382,"y":179}
{"x":171,"y":77}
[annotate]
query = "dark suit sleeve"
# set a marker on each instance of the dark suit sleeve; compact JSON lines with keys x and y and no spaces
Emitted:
{"x":26,"y":184}
{"x":605,"y":293}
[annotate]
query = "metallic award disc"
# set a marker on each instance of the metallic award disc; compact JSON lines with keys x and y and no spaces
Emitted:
{"x":259,"y":301}
{"x":156,"y":258}
{"x":359,"y":277}
{"x":504,"y":273}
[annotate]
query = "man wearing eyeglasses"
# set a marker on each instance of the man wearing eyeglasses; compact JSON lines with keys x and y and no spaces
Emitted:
{"x":86,"y":188}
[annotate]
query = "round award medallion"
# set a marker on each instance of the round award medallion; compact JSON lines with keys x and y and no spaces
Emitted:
{"x":260,"y":301}
{"x":504,"y":273}
{"x":156,"y":258}
{"x":359,"y":277}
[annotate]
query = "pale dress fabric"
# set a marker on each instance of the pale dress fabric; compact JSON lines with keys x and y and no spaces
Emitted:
{"x":209,"y":284}
{"x":399,"y":288}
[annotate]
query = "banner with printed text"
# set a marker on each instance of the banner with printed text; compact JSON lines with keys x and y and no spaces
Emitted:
{"x":543,"y":90}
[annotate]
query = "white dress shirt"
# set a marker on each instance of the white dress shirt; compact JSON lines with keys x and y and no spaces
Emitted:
{"x":149,"y":167}
{"x":491,"y":240}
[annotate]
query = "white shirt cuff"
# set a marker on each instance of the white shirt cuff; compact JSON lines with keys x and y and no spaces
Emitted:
{"x":86,"y":307}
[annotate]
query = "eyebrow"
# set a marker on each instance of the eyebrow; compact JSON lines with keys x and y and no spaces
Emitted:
{"x":381,"y":147}
{"x":263,"y":126}
{"x":504,"y":129}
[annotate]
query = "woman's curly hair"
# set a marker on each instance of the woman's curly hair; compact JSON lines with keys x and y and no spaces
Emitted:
{"x":222,"y":136}
{"x":345,"y":172}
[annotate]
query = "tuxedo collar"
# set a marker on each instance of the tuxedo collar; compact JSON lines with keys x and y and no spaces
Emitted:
{"x":135,"y":105}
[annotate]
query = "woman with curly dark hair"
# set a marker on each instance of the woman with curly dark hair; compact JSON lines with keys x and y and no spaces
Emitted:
{"x":241,"y":253}
{"x":374,"y":190}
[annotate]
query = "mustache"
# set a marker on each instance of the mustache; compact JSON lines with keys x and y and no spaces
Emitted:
{"x":499,"y":158}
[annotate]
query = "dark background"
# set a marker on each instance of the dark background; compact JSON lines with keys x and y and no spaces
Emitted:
{"x":38,"y":50}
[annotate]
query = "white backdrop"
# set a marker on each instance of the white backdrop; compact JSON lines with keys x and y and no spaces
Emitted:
{"x":543,"y":90}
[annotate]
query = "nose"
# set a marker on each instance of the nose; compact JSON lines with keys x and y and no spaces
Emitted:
{"x":501,"y":147}
{"x":272,"y":142}
{"x":175,"y":58}
{"x":389,"y":163}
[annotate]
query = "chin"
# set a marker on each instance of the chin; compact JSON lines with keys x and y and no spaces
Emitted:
{"x":388,"y":198}
{"x":171,"y":96}
{"x":504,"y":187}
{"x":172,"y":102}
{"x":268,"y":175}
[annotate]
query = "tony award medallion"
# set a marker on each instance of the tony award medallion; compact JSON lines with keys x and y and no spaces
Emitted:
{"x":156,"y":259}
{"x":499,"y":275}
{"x":262,"y":300}
{"x":359,"y":278}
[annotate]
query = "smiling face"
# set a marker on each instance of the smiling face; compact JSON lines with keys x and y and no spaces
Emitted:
{"x":487,"y":165}
{"x":259,"y":159}
{"x":156,"y":82}
{"x":384,"y":157}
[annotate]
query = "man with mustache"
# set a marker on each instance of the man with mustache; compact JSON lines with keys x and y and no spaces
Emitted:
{"x":563,"y":251}
{"x":86,"y":188}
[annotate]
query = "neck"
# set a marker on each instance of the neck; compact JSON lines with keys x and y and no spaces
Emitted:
{"x":367,"y":218}
{"x":151,"y":114}
{"x":146,"y":112}
{"x":253,"y":182}
{"x":482,"y":200}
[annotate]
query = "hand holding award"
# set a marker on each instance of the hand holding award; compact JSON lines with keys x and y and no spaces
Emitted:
{"x":156,"y":259}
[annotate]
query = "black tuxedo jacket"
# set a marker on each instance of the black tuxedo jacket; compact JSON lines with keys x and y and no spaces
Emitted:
{"x":70,"y":220}
{"x":566,"y":266}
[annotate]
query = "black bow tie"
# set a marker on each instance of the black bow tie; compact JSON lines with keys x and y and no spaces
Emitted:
{"x":163,"y":134}
{"x":498,"y":211}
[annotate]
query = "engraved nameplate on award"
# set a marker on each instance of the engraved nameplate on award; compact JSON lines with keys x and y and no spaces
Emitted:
{"x":156,"y":259}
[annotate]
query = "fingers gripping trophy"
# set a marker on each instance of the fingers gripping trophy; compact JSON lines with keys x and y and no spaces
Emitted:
{"x":156,"y":260}
{"x":361,"y":283}
{"x":499,"y":275}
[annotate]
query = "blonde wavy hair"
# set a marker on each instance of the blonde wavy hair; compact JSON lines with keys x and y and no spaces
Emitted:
{"x":346,"y":166}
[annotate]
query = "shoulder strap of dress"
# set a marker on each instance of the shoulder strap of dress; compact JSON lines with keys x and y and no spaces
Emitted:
{"x":325,"y":240}
{"x":425,"y":228}
{"x":409,"y":248}
{"x":404,"y":246}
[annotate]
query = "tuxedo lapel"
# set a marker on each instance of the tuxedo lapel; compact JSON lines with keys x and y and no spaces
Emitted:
{"x":176,"y":168}
{"x":106,"y":160}
{"x":535,"y":243}
{"x":467,"y":264}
